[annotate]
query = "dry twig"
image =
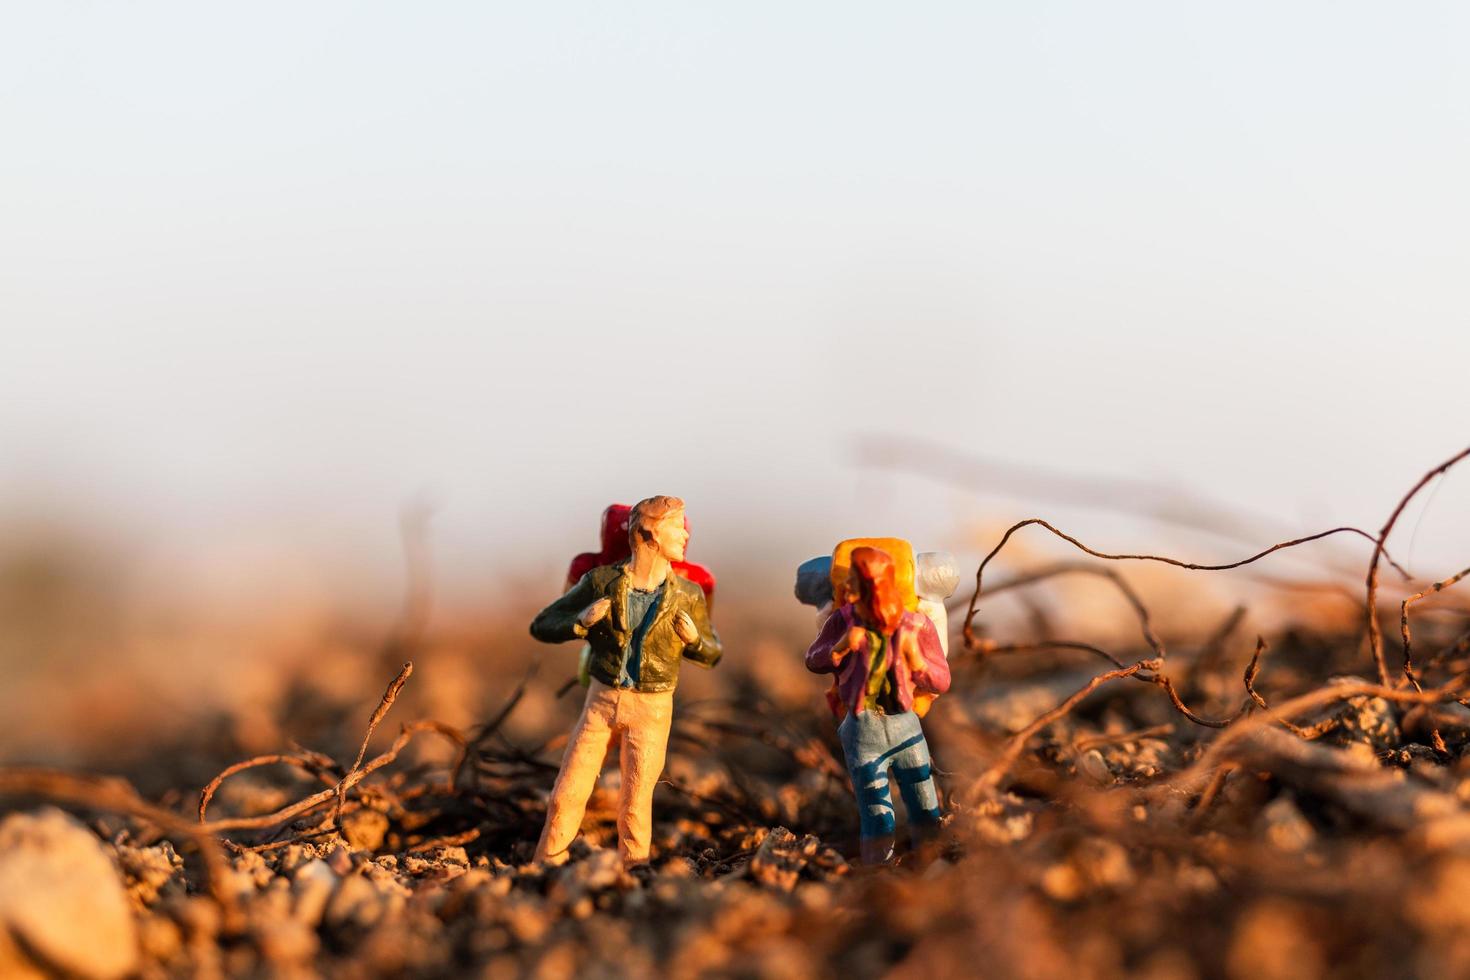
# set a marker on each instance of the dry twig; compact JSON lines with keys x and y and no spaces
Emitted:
{"x":980,"y":572}
{"x":997,"y":770}
{"x":1375,"y":633}
{"x":1404,"y":620}
{"x":389,"y":696}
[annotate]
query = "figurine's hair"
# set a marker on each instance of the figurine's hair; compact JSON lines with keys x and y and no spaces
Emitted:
{"x":646,"y":513}
{"x":878,"y":597}
{"x":936,"y":575}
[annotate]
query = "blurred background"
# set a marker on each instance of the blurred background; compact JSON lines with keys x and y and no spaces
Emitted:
{"x":284,"y":287}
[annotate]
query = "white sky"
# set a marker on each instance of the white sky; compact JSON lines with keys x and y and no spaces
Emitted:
{"x":269,"y":269}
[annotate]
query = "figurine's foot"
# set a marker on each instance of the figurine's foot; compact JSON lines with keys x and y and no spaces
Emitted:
{"x":924,"y":833}
{"x":641,"y":872}
{"x":927,"y":846}
{"x":554,"y":860}
{"x":876,"y":850}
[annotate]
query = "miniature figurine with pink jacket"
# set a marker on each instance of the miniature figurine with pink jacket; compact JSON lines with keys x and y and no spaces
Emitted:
{"x":936,"y":576}
{"x":888,"y":659}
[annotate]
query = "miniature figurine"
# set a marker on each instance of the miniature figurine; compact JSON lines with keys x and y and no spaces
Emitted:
{"x":815,"y":580}
{"x":640,"y":619}
{"x":614,"y":539}
{"x":883,"y":655}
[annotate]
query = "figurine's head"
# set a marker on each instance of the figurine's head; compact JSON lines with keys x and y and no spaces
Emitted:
{"x":873,"y":580}
{"x":657,"y":524}
{"x":936,"y":575}
{"x":814,"y":581}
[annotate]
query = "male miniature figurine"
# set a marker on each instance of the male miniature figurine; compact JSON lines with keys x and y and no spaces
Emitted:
{"x":615,"y":548}
{"x":640,"y":619}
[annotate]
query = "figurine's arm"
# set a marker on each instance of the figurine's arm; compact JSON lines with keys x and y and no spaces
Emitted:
{"x":932,"y":674}
{"x":819,"y":656}
{"x":705,"y":649}
{"x":560,"y":621}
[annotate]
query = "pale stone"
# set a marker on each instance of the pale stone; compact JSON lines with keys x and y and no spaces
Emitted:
{"x":356,"y":901}
{"x":1092,"y":765}
{"x":312,"y":884}
{"x":62,"y":898}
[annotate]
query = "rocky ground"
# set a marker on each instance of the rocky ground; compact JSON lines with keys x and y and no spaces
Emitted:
{"x":1222,"y":808}
{"x":1121,"y":838}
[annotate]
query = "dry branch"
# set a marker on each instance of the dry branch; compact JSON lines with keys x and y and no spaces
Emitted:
{"x":389,"y":696}
{"x":1382,"y":797}
{"x":992,"y":776}
{"x":492,"y":727}
{"x":1404,"y":620}
{"x":308,"y":763}
{"x":1322,"y":696}
{"x":1214,"y":647}
{"x":1077,"y":568}
{"x":1375,"y":633}
{"x":1098,"y":741}
{"x":1150,"y":676}
{"x":339,"y":788}
{"x":1193,"y":566}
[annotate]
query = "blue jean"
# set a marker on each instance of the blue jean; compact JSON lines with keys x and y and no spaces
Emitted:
{"x":872,"y":742}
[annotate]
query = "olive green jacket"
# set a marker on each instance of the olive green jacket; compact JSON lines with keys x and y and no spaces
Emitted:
{"x":662,"y":648}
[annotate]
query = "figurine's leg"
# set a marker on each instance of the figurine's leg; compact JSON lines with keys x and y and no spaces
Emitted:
{"x":580,"y":766}
{"x":913,"y":770}
{"x":643,"y":720}
{"x":864,"y":744}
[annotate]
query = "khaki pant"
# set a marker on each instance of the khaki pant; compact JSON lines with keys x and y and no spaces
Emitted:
{"x":642,"y":722}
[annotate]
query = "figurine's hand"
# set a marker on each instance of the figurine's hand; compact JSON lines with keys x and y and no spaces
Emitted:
{"x":844,"y":646}
{"x":911,"y":655}
{"x":594,"y":612}
{"x":684,"y":628}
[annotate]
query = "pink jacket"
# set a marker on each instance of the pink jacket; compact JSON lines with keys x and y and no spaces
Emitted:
{"x":852,"y":672}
